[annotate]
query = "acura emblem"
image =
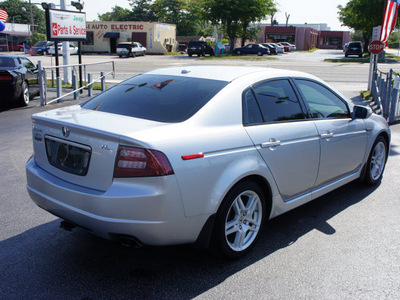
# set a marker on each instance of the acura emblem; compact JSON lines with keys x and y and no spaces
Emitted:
{"x":65,"y":131}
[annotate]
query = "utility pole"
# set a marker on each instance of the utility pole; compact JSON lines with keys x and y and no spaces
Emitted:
{"x":65,"y":52}
{"x":31,"y":15}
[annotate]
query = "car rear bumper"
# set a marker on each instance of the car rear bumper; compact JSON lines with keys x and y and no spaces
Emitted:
{"x":149,"y":209}
{"x":9,"y":92}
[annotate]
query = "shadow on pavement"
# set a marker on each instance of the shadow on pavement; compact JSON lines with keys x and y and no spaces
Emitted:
{"x":46,"y":262}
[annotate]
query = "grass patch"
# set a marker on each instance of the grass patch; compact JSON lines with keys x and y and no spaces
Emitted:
{"x":393,"y":56}
{"x":307,"y":51}
{"x":366,"y":95}
{"x":236,"y":57}
{"x":96,"y":86}
{"x":348,"y":60}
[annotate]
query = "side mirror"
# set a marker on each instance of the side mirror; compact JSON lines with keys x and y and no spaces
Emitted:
{"x":361,"y":112}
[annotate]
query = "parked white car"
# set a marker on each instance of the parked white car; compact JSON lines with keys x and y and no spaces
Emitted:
{"x":130,"y":49}
{"x":73,"y":49}
{"x":279,"y":48}
{"x":201,"y":154}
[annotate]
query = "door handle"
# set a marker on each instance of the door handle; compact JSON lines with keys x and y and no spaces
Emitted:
{"x":271,"y":144}
{"x":327,"y":135}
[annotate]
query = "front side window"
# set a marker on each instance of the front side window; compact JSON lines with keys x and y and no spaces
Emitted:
{"x":278,"y":101}
{"x":321,"y":102}
{"x":161,"y":98}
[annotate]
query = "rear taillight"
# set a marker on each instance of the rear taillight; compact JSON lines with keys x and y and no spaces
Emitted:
{"x":138,"y":162}
{"x":6,"y":78}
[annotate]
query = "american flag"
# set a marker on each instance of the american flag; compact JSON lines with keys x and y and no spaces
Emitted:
{"x":3,"y":15}
{"x":389,"y":19}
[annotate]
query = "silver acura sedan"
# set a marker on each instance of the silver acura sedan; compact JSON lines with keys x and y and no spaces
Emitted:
{"x":200,"y":154}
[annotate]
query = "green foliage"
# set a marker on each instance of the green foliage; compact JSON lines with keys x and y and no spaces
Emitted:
{"x":37,"y":37}
{"x":19,"y":12}
{"x":236,"y":15}
{"x":143,"y":10}
{"x":117,"y":13}
{"x":362,"y":16}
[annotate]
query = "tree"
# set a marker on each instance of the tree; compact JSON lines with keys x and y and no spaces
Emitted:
{"x":183,"y":13}
{"x":236,"y":15}
{"x":19,"y":12}
{"x":253,"y":11}
{"x":143,"y":10}
{"x":117,"y":13}
{"x":362,"y":16}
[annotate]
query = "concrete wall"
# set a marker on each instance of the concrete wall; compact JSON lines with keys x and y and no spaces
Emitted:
{"x":158,"y":38}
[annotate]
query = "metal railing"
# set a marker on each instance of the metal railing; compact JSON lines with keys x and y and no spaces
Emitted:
{"x":385,"y":91}
{"x":88,"y":79}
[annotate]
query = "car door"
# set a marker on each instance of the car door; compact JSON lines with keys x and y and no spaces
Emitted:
{"x":289,"y":144}
{"x":31,"y":75}
{"x":343,"y":140}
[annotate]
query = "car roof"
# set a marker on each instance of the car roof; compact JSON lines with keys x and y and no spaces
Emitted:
{"x":12,"y":56}
{"x":227,"y":73}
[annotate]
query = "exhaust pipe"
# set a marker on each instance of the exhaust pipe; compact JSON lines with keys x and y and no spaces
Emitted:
{"x":130,"y":241}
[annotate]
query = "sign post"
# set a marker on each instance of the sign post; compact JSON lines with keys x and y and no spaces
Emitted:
{"x":64,"y":26}
{"x":376,"y":47}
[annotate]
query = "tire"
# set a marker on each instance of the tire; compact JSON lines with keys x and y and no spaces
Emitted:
{"x":360,"y":55}
{"x":24,"y":97}
{"x":190,"y":55}
{"x":239,"y":220}
{"x":238,"y":53}
{"x":346,"y":55}
{"x":119,"y":55}
{"x":376,"y":162}
{"x":259,"y":53}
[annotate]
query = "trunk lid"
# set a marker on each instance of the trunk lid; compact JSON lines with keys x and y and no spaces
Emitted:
{"x":80,"y":145}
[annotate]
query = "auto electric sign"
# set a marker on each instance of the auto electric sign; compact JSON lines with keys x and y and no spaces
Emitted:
{"x":65,"y":25}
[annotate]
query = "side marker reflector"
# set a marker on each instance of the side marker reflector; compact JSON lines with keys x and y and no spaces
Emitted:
{"x":192,"y":156}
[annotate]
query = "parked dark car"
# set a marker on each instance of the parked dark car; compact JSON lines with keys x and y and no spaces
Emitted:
{"x":42,"y":47}
{"x":199,"y":48}
{"x":272,"y":48}
{"x":19,"y":79}
{"x":354,"y":48}
{"x":258,"y":49}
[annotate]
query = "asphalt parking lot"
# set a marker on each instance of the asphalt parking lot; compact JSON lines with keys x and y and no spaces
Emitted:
{"x":343,"y":245}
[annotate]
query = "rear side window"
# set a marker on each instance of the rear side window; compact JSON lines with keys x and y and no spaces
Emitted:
{"x":161,"y":98}
{"x":6,"y":62}
{"x":278,"y":101}
{"x":321,"y":102}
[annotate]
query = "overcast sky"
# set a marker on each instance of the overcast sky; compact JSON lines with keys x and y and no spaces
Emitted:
{"x":301,"y":11}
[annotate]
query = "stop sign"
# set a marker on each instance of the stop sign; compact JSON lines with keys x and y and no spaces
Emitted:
{"x":376,"y":47}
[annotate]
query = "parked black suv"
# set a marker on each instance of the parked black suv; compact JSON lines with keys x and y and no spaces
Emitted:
{"x":354,"y":48}
{"x":200,"y":48}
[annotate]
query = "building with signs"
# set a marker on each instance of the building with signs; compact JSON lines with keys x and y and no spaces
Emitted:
{"x":14,"y":34}
{"x":305,"y":36}
{"x":103,"y":37}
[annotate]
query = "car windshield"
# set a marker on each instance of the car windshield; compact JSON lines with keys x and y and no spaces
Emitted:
{"x":161,"y":98}
{"x":40,"y":44}
{"x":6,"y":62}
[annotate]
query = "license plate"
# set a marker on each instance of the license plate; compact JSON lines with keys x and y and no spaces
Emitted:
{"x":67,"y":156}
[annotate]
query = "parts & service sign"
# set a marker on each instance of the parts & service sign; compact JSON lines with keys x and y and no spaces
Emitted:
{"x":66,"y":25}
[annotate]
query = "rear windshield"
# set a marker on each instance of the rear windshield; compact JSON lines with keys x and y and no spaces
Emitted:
{"x":7,"y":62}
{"x":123,"y":46}
{"x":161,"y":98}
{"x":355,"y":45}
